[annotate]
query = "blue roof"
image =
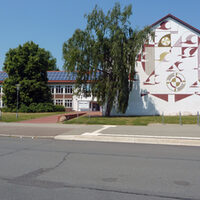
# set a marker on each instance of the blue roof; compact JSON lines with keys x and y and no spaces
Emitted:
{"x":61,"y":76}
{"x":53,"y":76}
{"x":3,"y":76}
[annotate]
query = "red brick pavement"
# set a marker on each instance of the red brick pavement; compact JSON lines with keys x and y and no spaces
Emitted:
{"x":49,"y":119}
{"x":55,"y":118}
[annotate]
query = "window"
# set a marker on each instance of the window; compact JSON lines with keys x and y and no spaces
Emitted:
{"x":68,"y":89}
{"x":68,"y":103}
{"x":52,"y":89}
{"x":59,"y":102}
{"x":59,"y":90}
{"x":1,"y":89}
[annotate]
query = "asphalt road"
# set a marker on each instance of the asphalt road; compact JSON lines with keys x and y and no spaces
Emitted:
{"x":47,"y":169}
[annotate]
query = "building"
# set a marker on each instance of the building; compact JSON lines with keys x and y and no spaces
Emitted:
{"x":167,"y":77}
{"x":61,"y":85}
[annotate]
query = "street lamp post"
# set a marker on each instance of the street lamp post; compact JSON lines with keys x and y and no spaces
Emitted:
{"x":18,"y":86}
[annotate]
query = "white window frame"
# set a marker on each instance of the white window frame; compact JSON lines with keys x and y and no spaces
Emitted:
{"x":59,"y":102}
{"x":68,"y":89}
{"x":52,"y":89}
{"x":59,"y":89}
{"x":68,"y":103}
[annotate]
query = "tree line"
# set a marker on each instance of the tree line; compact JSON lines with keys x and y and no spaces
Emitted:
{"x":104,"y":53}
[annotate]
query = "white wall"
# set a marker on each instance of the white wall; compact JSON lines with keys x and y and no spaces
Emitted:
{"x":168,"y":73}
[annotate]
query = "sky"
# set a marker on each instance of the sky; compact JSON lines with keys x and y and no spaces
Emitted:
{"x":50,"y":23}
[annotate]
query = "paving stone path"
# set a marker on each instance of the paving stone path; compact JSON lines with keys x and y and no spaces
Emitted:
{"x":55,"y":118}
{"x":43,"y":120}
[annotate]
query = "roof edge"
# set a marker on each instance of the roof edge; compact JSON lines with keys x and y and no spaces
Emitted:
{"x":176,"y":19}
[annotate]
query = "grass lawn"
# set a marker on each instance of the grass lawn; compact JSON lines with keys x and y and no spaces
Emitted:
{"x":11,"y":117}
{"x":143,"y":120}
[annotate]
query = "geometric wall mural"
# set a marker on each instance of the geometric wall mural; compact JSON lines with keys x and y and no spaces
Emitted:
{"x":175,"y":82}
{"x":167,"y":73}
{"x":170,"y":64}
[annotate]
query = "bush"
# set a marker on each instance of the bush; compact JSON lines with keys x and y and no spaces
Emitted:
{"x":6,"y":109}
{"x":44,"y":107}
{"x":33,"y":108}
{"x":25,"y":109}
{"x":59,"y":108}
{"x":36,"y":107}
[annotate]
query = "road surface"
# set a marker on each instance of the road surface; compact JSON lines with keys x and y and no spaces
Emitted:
{"x":48,"y":169}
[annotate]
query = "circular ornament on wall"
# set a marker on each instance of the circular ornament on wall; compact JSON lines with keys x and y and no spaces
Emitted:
{"x":165,"y":41}
{"x":175,"y":82}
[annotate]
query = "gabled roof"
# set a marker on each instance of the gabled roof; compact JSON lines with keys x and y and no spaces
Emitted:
{"x":178,"y":20}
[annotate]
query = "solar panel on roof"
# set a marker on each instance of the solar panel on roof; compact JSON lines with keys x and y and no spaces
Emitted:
{"x":52,"y":75}
{"x":3,"y":76}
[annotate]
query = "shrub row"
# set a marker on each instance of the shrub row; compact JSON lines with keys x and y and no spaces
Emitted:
{"x":34,"y":107}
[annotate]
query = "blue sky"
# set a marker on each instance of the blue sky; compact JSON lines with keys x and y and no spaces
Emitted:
{"x":50,"y":23}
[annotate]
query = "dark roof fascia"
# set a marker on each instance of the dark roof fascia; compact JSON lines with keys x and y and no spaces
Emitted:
{"x":178,"y":20}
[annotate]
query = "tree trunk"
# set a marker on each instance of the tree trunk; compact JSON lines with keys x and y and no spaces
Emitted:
{"x":108,"y":107}
{"x":107,"y":112}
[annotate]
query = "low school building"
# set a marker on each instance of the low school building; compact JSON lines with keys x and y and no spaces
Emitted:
{"x":61,"y":84}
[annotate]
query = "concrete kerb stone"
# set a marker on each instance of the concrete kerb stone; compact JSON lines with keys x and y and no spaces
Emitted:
{"x":27,"y":136}
{"x":118,"y":139}
{"x":132,"y":139}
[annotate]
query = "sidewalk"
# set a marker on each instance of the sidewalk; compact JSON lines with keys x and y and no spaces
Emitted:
{"x":188,"y":135}
{"x":55,"y":118}
{"x":42,"y":120}
{"x":152,"y":134}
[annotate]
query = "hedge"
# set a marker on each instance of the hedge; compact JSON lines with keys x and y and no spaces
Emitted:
{"x":34,"y":107}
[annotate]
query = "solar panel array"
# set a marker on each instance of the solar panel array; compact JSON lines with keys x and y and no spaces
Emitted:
{"x":53,"y":76}
{"x":3,"y":76}
{"x":61,"y":76}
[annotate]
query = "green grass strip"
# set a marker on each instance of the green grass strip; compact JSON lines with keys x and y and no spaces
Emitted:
{"x":143,"y":120}
{"x":11,"y":117}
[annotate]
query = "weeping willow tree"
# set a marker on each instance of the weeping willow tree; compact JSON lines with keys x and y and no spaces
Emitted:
{"x":104,"y":55}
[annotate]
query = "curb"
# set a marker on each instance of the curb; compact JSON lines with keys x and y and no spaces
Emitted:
{"x":133,"y":139}
{"x":27,"y":136}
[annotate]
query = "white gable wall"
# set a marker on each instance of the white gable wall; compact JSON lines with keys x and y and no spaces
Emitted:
{"x":168,"y":73}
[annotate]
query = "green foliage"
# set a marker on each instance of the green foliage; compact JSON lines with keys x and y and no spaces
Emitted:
{"x":106,"y":53}
{"x":59,"y":108}
{"x":36,"y":108}
{"x":27,"y":65}
{"x":6,"y":109}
